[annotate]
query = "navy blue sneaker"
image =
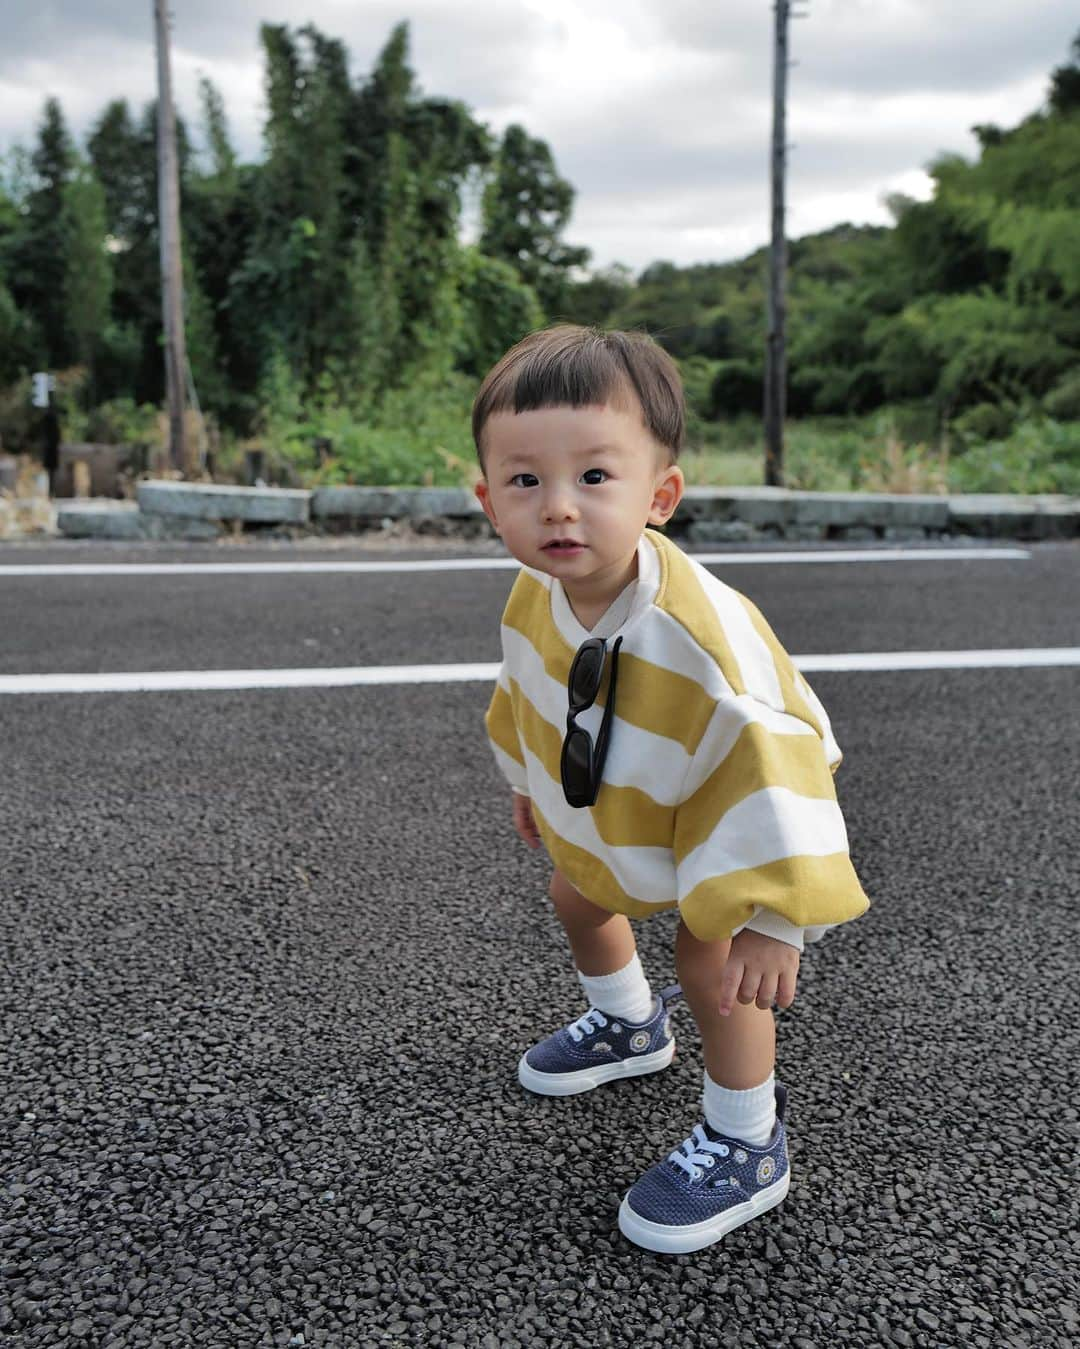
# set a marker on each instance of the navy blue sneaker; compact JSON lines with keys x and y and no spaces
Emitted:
{"x":598,"y":1048}
{"x":705,"y":1188}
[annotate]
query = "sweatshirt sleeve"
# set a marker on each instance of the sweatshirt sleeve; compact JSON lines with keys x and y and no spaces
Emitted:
{"x":772,"y":924}
{"x":759,"y":839}
{"x":502,"y":732}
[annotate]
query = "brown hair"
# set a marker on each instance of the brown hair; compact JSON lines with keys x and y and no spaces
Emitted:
{"x":572,"y":366}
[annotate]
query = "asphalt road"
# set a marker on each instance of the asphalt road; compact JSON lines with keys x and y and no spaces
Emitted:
{"x":268,"y":960}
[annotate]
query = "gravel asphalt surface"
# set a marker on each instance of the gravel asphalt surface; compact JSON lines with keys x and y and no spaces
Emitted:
{"x":268,"y":961}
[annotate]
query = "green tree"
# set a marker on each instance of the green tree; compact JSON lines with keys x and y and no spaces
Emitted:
{"x":291,"y":282}
{"x":17,"y":340}
{"x":599,"y":296}
{"x":123,"y":153}
{"x":412,"y":157}
{"x":526,"y":207}
{"x":353,"y":265}
{"x":36,"y":263}
{"x":219,"y":224}
{"x":1064,"y":96}
{"x":87,"y":288}
{"x":498,"y":309}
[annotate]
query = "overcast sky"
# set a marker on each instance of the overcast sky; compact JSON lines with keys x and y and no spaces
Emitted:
{"x":658,"y":111}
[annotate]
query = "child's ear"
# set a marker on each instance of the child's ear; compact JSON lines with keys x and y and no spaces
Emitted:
{"x":667,"y":493}
{"x":483,"y":495}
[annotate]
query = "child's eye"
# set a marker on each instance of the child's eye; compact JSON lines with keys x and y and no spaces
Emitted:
{"x":593,"y":477}
{"x":524,"y":480}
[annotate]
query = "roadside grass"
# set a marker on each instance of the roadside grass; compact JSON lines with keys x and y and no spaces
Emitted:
{"x":871,"y":454}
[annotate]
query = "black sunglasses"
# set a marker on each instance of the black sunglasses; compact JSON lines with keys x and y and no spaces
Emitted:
{"x":582,"y":763}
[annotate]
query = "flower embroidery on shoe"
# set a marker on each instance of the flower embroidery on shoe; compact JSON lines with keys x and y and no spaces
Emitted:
{"x":601,"y":1048}
{"x":766,"y":1170}
{"x":640,"y":1041}
{"x":740,"y":1156}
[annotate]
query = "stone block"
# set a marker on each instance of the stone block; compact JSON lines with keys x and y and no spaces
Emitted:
{"x":178,"y":527}
{"x":754,"y":505}
{"x":95,"y":519}
{"x":357,"y":503}
{"x":104,"y":519}
{"x":206,"y":501}
{"x":994,"y":515}
{"x":876,"y":510}
{"x":393,"y":503}
{"x":721,"y":531}
{"x":456,"y":502}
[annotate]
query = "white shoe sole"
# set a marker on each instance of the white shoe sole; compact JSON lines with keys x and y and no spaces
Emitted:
{"x":584,"y":1079}
{"x":695,"y":1236}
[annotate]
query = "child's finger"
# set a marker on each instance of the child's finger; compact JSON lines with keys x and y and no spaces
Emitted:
{"x":729,"y":986}
{"x":751,"y":981}
{"x":785,"y":991}
{"x":766,"y":991}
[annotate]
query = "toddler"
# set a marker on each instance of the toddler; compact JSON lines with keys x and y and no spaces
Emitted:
{"x":664,"y":749}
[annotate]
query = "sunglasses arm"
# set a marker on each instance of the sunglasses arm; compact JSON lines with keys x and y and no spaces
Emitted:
{"x":609,"y":707}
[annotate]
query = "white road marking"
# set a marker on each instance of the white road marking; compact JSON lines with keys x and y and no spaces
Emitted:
{"x":497,"y":563}
{"x":999,"y":658}
{"x":173,"y":681}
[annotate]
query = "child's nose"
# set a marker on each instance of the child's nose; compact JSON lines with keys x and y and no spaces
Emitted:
{"x":559,"y":504}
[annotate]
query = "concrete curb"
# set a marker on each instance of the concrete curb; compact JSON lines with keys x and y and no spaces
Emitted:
{"x":176,"y":510}
{"x":208,"y":501}
{"x":105,"y":519}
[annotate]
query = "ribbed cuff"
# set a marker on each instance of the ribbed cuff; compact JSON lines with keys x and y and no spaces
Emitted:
{"x":625,"y":994}
{"x":747,"y":1115}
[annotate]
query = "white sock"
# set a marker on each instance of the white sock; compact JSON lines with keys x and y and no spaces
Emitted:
{"x":625,"y":994}
{"x":746,"y":1115}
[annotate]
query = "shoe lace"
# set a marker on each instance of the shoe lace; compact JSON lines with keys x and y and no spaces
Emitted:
{"x":585,"y":1025}
{"x":698,"y":1153}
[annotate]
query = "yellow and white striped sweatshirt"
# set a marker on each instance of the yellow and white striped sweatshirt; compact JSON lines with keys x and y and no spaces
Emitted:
{"x":717,"y":794}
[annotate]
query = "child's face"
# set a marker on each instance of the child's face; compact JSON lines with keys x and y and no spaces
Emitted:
{"x":571,"y":489}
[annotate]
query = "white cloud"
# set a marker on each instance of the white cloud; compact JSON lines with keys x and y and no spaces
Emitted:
{"x":657,"y":110}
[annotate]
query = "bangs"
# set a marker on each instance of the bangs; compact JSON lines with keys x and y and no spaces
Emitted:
{"x":570,"y":366}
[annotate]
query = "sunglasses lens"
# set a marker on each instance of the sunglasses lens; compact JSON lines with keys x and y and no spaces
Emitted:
{"x":578,"y":756}
{"x":577,"y":762}
{"x":586,"y":673}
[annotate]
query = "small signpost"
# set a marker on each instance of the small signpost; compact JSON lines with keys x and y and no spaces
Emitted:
{"x":43,"y":384}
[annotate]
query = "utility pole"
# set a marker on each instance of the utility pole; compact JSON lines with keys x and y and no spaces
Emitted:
{"x":775,"y":342}
{"x":172,"y":280}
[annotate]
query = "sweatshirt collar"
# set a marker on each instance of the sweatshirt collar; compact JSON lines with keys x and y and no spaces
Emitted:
{"x":623,"y":611}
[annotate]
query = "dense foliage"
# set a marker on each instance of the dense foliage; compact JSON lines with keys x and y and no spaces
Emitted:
{"x":330,"y":293}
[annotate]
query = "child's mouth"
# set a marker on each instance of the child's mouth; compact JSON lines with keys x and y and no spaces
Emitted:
{"x":563,"y":546}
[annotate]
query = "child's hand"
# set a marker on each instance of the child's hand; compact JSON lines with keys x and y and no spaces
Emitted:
{"x":524,"y":822}
{"x":759,"y":969}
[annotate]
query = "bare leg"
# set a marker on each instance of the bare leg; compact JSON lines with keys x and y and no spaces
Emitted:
{"x":739,"y":1049}
{"x":602,"y":942}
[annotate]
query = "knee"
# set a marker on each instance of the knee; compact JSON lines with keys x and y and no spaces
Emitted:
{"x":699,"y":963}
{"x":573,"y":908}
